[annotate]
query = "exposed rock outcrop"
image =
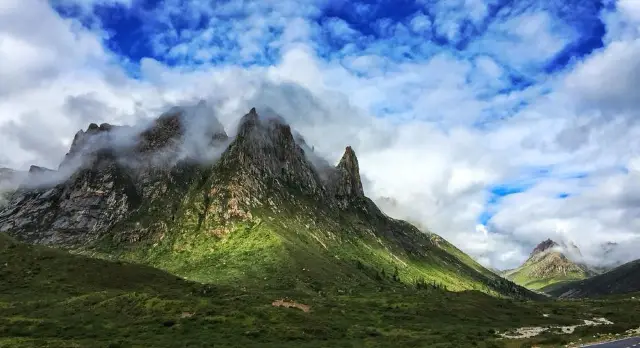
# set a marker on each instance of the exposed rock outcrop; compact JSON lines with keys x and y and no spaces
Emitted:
{"x":347,"y":184}
{"x":544,"y":246}
{"x":108,"y":172}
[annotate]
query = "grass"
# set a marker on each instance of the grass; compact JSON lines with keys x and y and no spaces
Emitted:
{"x":296,"y":244}
{"x":541,"y":283}
{"x":50,"y":298}
{"x":542,"y":273}
{"x":620,"y":280}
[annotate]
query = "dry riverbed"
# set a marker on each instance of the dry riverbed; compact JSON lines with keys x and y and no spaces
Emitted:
{"x":532,"y":331}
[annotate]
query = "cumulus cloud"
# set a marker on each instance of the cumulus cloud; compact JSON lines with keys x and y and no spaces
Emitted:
{"x":448,"y":130}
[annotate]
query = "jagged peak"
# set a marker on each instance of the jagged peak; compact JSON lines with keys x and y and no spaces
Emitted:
{"x":544,"y":246}
{"x":265,"y":148}
{"x":349,"y":183}
{"x":165,"y":130}
{"x":265,"y":122}
{"x":38,"y":170}
{"x":349,"y":159}
{"x":248,"y":122}
{"x":189,"y":131}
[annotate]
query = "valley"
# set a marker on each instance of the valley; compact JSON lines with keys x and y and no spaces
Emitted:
{"x":50,"y":298}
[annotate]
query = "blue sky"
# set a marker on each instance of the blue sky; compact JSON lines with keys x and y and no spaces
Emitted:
{"x":147,"y":29}
{"x":494,"y":123}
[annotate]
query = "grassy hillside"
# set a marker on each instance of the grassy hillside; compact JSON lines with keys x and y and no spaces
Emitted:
{"x":50,"y":298}
{"x":295,"y":243}
{"x":524,"y":278}
{"x":620,"y":280}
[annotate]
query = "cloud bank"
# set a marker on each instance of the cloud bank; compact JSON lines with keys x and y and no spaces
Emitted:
{"x":496,"y":125}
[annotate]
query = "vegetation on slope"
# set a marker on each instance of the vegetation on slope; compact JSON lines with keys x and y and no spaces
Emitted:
{"x":620,"y":280}
{"x":302,"y":247}
{"x":262,"y":215}
{"x":49,"y":298}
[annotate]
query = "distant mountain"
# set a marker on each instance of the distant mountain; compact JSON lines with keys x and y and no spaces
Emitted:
{"x":620,"y":280}
{"x":548,"y":264}
{"x":260,"y":208}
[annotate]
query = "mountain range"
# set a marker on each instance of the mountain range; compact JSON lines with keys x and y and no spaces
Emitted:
{"x":258,"y":209}
{"x":176,"y":233}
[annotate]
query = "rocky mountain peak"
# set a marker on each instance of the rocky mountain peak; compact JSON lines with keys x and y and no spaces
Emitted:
{"x":544,"y":246}
{"x":165,"y":131}
{"x":265,"y":150}
{"x":349,"y":183}
{"x":181,"y":131}
{"x":39,"y":170}
{"x":265,"y":163}
{"x":85,"y":139}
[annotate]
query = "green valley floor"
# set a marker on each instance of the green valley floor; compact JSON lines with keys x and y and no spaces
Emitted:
{"x":50,"y":298}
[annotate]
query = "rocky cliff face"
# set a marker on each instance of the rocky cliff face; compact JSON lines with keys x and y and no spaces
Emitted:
{"x":544,"y":246}
{"x":106,"y":175}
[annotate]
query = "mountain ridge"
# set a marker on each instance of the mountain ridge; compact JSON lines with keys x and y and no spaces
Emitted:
{"x":253,"y":196}
{"x":620,"y":280}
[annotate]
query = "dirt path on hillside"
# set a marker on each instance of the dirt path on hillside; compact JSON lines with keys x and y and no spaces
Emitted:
{"x":291,"y":304}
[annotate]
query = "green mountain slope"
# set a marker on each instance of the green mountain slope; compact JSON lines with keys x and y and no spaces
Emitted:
{"x":50,"y":298}
{"x":546,"y":265}
{"x":620,"y":280}
{"x":265,"y":213}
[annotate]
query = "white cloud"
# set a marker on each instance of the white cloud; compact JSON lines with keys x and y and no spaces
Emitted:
{"x":607,"y":81}
{"x":420,"y":24}
{"x":412,"y":121}
{"x":525,"y":42}
{"x":339,"y":29}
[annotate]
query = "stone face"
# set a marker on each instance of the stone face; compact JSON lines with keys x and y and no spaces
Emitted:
{"x":265,"y":151}
{"x":544,"y":246}
{"x":114,"y":182}
{"x":108,"y":182}
{"x":88,"y":142}
{"x":72,"y":212}
{"x":349,"y":183}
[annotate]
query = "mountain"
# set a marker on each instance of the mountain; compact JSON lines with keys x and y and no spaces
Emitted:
{"x":547,"y":264}
{"x":259,"y":209}
{"x":620,"y":280}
